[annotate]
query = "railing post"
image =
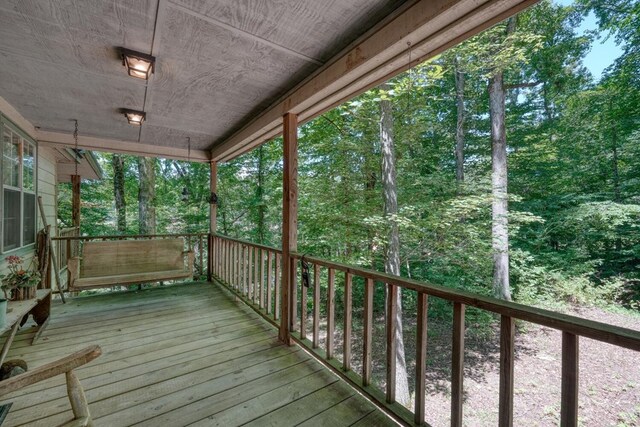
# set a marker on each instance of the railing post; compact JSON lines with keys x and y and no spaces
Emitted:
{"x":457,"y":364}
{"x":367,"y":332}
{"x":421,"y":358}
{"x":507,"y":338}
{"x":570,"y":376}
{"x":392,"y":309}
{"x":289,"y":222}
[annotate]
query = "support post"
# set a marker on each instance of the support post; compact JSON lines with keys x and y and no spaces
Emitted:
{"x":289,"y":223}
{"x":213,"y":216}
{"x":75,"y":200}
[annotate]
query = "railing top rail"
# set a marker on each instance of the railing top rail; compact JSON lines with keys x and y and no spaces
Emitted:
{"x":248,"y":243}
{"x":129,"y":236}
{"x":615,"y":335}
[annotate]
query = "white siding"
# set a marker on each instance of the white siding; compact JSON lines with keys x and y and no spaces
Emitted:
{"x":46,"y":176}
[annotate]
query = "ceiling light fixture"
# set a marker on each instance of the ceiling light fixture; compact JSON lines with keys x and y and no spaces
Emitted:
{"x":138,"y":64}
{"x":134,"y":117}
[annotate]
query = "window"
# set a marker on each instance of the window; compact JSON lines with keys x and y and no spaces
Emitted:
{"x":18,"y":190}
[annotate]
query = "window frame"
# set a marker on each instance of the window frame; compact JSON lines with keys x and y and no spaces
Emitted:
{"x":6,"y":124}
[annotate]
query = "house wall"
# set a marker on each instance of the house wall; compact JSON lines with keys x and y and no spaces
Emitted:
{"x":45,"y":187}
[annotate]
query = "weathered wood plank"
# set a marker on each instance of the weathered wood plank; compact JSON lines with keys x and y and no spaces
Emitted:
{"x":421,"y":359}
{"x":570,"y":380}
{"x":348,"y":324}
{"x":316,"y":306}
{"x":507,"y":345}
{"x":331,"y":309}
{"x":457,"y":365}
{"x":391,"y":330}
{"x":367,"y":332}
{"x":289,"y":222}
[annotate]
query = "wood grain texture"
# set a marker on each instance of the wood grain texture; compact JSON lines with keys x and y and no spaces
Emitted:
{"x":457,"y":365}
{"x":213,"y":365}
{"x":421,"y":360}
{"x":507,"y":356}
{"x":367,"y":332}
{"x":289,"y":224}
{"x":570,"y":380}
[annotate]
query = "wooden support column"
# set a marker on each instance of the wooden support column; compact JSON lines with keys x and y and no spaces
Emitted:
{"x":75,"y":200}
{"x":289,"y":223}
{"x":213,"y":216}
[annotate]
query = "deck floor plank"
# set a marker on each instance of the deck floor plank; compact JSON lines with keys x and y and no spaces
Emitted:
{"x":180,"y":355}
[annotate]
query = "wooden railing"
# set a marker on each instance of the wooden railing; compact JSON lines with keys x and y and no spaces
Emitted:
{"x":253,"y":272}
{"x":69,"y":246}
{"x":236,"y":267}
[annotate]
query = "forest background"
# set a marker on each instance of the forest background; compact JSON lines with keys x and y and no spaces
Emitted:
{"x":571,"y":144}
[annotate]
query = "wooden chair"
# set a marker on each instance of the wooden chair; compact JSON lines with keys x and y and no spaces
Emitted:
{"x":66,"y":365}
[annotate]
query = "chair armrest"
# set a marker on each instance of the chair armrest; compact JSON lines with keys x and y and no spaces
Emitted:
{"x":49,"y":370}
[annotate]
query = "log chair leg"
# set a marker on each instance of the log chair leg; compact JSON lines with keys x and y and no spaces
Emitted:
{"x":77,"y":398}
{"x":8,"y":342}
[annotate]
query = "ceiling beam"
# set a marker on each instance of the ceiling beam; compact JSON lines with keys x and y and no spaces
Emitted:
{"x":57,"y":139}
{"x":420,"y":32}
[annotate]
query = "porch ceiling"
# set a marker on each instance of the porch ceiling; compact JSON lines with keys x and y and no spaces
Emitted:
{"x":219,"y":62}
{"x":226,"y":70}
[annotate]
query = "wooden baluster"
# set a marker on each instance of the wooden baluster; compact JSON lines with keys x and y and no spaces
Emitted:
{"x":201,"y":256}
{"x":421,"y":358}
{"x":293,"y":305}
{"x":457,"y":364}
{"x":224,"y":261}
{"x":276,"y":288}
{"x":507,"y":337}
{"x":269,"y":282}
{"x":570,"y":380}
{"x":240,"y":268}
{"x":316,"y":306}
{"x":229,"y":262}
{"x":69,"y":255}
{"x":331,"y":308}
{"x":256,"y":272}
{"x":303,"y":308}
{"x":392,"y":309}
{"x":262,"y":281}
{"x":346,"y":342}
{"x":232,"y":264}
{"x":237,"y":286}
{"x":367,"y":332}
{"x":250,"y":274}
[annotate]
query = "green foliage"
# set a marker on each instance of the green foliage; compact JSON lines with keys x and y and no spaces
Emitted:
{"x":573,"y":154}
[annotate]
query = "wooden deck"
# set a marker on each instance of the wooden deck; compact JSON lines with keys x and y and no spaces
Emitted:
{"x":182,"y":355}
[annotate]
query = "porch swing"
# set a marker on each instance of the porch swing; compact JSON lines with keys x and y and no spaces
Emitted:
{"x":122,"y":261}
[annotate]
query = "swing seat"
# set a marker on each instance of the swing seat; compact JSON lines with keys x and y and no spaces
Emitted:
{"x":125,"y":262}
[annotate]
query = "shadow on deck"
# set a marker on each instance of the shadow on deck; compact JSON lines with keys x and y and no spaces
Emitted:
{"x":181,"y":355}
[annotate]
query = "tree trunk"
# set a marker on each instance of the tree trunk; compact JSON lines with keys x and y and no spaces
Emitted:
{"x":147,"y":195}
{"x":500,"y":208}
{"x":261,"y":226}
{"x":117,"y":162}
{"x":392,"y":261}
{"x":459,"y":75}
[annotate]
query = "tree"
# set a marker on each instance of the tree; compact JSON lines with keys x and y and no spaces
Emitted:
{"x":117,"y":162}
{"x":392,"y":259}
{"x":146,"y":195}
